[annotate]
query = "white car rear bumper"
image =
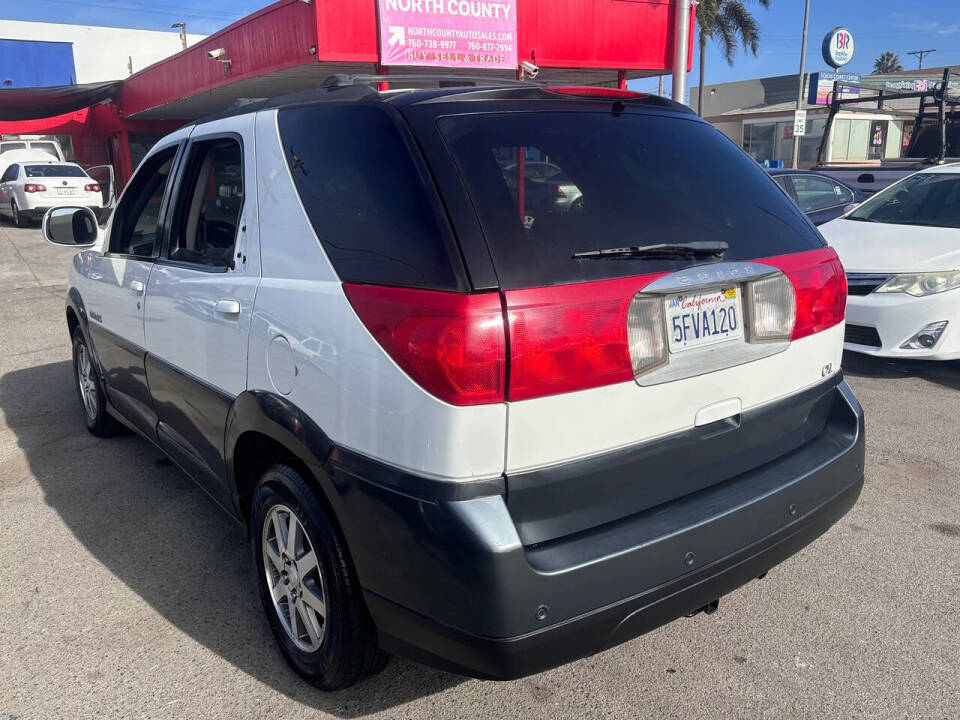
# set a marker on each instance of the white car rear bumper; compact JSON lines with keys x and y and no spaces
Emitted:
{"x":897,"y":317}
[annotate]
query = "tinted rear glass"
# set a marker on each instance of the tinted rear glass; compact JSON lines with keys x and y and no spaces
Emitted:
{"x":601,"y":180}
{"x":12,"y":146}
{"x":54,"y":171}
{"x":370,"y":200}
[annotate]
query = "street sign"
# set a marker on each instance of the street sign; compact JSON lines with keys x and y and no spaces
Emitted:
{"x":799,"y":122}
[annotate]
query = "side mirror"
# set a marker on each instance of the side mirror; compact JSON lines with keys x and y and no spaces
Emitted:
{"x":849,"y":208}
{"x":72,"y":226}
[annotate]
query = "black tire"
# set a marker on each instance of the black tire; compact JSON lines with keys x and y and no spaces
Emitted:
{"x":348,"y":651}
{"x":19,"y":219}
{"x":99,"y":421}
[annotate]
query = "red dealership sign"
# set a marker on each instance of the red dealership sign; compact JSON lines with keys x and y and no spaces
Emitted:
{"x":449,"y":33}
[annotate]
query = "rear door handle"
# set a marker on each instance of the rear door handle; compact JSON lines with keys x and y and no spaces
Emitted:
{"x":228,"y":307}
{"x":137,"y":287}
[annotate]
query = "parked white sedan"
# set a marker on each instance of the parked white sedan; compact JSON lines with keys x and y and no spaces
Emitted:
{"x":901,"y":251}
{"x":31,"y":187}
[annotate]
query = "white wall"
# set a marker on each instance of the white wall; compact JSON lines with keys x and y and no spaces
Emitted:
{"x":101,"y":53}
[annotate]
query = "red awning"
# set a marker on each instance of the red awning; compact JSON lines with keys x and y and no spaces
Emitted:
{"x":43,"y":102}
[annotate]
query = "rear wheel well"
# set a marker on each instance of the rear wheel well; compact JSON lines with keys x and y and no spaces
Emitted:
{"x":253,"y":454}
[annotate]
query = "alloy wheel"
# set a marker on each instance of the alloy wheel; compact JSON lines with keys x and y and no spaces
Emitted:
{"x":87,"y":382}
{"x":294,"y":578}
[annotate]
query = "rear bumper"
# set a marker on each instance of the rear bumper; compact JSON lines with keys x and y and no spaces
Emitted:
{"x":449,"y":583}
{"x":39,"y":209}
{"x":427,"y":641}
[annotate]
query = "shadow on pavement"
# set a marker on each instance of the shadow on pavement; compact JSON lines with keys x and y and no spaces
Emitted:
{"x":156,"y":531}
{"x":945,"y":373}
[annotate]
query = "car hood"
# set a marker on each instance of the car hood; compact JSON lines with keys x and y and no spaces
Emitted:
{"x":880,"y":247}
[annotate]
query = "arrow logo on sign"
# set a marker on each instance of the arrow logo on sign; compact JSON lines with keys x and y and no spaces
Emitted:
{"x":397,"y":35}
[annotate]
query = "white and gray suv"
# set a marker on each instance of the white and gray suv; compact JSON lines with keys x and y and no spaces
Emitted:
{"x":460,"y":425}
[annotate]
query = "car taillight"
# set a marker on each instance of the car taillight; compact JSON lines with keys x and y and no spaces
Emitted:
{"x":34,"y":188}
{"x":772,"y":307}
{"x":92,"y":187}
{"x":820,"y":286}
{"x":571,"y":337}
{"x":574,"y":337}
{"x":451,"y":344}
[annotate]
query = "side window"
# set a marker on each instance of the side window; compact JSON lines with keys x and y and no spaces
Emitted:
{"x":209,"y":204}
{"x":10,"y":175}
{"x":781,"y":180}
{"x":138,"y":214}
{"x":843,"y":193}
{"x":814,"y":193}
{"x":371,"y":207}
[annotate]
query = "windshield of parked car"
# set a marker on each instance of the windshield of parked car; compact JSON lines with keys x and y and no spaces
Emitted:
{"x":550,"y":187}
{"x":923,"y":199}
{"x":35,"y":171}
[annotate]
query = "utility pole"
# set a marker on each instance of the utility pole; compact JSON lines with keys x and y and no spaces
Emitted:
{"x":803,"y":62}
{"x":183,"y":33}
{"x":920,"y":54}
{"x":681,"y":40}
{"x":660,"y":87}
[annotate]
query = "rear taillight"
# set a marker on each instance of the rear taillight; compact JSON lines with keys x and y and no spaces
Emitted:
{"x":567,"y":338}
{"x":92,"y":187}
{"x":570,"y":337}
{"x":34,"y":188}
{"x":451,"y":344}
{"x":820,"y":287}
{"x":772,"y":307}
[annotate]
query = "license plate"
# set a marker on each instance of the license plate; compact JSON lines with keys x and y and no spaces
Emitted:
{"x":66,"y":191}
{"x":703,"y":318}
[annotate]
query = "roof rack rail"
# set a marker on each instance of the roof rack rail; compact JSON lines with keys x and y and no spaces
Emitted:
{"x":442,"y":80}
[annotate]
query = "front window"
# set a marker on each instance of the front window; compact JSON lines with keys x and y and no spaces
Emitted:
{"x":931,"y":199}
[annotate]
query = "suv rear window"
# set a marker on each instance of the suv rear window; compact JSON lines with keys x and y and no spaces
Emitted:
{"x":547,"y":185}
{"x":369,"y":197}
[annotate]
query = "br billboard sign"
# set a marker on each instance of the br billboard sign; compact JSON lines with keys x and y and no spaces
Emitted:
{"x":838,"y":47}
{"x":449,"y":33}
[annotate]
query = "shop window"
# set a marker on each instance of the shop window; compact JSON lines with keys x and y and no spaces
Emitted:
{"x":759,"y":139}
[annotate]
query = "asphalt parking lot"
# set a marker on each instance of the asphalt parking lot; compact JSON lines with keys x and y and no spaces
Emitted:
{"x":125,"y":593}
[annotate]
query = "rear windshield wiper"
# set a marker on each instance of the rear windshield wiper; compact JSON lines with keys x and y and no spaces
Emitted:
{"x":664,"y":250}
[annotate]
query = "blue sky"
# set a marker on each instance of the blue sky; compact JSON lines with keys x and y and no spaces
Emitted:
{"x":877,"y":25}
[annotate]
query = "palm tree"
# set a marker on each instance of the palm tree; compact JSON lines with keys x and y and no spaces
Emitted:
{"x":726,"y":21}
{"x":888,"y":62}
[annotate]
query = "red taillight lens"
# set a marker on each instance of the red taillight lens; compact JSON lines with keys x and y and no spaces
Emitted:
{"x":451,"y":344}
{"x":92,"y":187}
{"x":34,"y":188}
{"x":570,"y":337}
{"x":820,"y":285}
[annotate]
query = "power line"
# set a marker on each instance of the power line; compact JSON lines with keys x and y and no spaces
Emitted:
{"x":920,"y":54}
{"x":166,"y":10}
